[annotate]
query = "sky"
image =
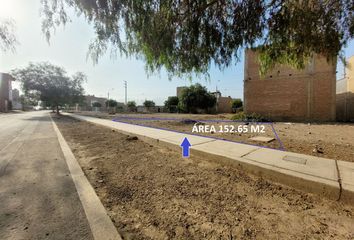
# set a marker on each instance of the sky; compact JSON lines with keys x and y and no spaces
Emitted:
{"x":68,"y":48}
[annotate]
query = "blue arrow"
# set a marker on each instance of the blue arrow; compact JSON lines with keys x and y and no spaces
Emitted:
{"x":185,"y":147}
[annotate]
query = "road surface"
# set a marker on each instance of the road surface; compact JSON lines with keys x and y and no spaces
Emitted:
{"x":38,"y":199}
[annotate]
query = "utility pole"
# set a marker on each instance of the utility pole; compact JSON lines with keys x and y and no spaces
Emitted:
{"x":126,"y":86}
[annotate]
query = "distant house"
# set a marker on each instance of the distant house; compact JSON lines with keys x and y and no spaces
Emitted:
{"x":91,"y":99}
{"x":5,"y":92}
{"x":223,"y":104}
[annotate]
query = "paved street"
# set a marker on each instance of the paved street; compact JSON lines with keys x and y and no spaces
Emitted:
{"x":38,"y":199}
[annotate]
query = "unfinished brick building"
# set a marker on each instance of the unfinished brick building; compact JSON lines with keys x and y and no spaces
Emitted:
{"x":288,"y":94}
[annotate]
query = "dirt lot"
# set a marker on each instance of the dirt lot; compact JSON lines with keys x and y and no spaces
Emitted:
{"x":150,"y":192}
{"x":335,"y":141}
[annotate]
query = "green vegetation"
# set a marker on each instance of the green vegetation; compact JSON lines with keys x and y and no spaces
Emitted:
{"x":253,"y":117}
{"x":171,"y":104}
{"x":188,"y":36}
{"x":51,"y":83}
{"x":196,"y":98}
{"x":8,"y":40}
{"x":96,"y":104}
{"x":131,"y":106}
{"x":237,"y":103}
{"x":111,"y":103}
{"x":149,"y":103}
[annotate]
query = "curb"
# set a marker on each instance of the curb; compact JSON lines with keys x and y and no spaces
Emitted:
{"x":100,"y":223}
{"x":326,"y":177}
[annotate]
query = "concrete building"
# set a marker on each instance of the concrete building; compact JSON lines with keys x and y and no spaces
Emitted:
{"x":289,"y":94}
{"x":345,"y":93}
{"x":5,"y":92}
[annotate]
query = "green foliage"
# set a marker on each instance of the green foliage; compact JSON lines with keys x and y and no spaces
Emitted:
{"x":188,"y":36}
{"x":8,"y":39}
{"x":51,"y":83}
{"x":111,"y":103}
{"x":196,"y":97}
{"x":171,"y":103}
{"x":149,"y":103}
{"x":253,"y":117}
{"x":131,"y":106}
{"x":237,"y":103}
{"x":96,"y":104}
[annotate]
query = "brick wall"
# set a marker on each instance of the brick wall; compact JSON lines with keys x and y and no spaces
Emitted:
{"x":289,"y":94}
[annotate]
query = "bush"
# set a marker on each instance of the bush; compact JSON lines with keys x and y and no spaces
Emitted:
{"x":237,"y":103}
{"x":252,"y":117}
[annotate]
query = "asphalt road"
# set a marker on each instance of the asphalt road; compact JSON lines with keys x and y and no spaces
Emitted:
{"x":38,"y":199}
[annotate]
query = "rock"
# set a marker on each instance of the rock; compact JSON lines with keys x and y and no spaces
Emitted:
{"x":113,"y":130}
{"x":318,"y":149}
{"x":132,"y":138}
{"x":100,"y":181}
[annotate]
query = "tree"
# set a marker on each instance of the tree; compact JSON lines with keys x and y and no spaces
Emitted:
{"x":237,"y":103}
{"x":51,"y":83}
{"x":131,"y":106}
{"x":196,"y":97}
{"x":171,"y":103}
{"x":111,"y":103}
{"x":8,"y":40}
{"x":188,"y":36}
{"x":96,"y":104}
{"x":149,"y":103}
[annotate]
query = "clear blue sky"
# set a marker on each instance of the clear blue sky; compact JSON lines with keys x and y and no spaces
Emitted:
{"x":68,"y":48}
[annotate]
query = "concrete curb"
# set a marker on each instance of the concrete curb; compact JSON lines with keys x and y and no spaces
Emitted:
{"x":327,"y":177}
{"x":100,"y":223}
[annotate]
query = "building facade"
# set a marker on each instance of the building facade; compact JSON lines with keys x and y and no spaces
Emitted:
{"x":5,"y":92}
{"x":345,"y":94}
{"x":289,"y":94}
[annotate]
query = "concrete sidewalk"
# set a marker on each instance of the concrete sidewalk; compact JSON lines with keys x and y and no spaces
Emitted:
{"x":334,"y":179}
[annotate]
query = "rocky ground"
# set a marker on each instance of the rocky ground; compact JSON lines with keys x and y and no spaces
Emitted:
{"x":150,"y":192}
{"x":327,"y":140}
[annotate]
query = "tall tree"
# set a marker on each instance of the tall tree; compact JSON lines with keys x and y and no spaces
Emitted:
{"x":188,"y":36}
{"x":196,"y":97}
{"x":52,"y":84}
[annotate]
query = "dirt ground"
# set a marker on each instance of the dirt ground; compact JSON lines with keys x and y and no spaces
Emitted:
{"x":150,"y":192}
{"x":334,"y":141}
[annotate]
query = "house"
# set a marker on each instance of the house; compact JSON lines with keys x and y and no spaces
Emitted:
{"x":289,"y":94}
{"x":5,"y":92}
{"x":223,"y":104}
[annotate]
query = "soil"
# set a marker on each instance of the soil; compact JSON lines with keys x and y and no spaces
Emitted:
{"x":150,"y":192}
{"x":326,"y":140}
